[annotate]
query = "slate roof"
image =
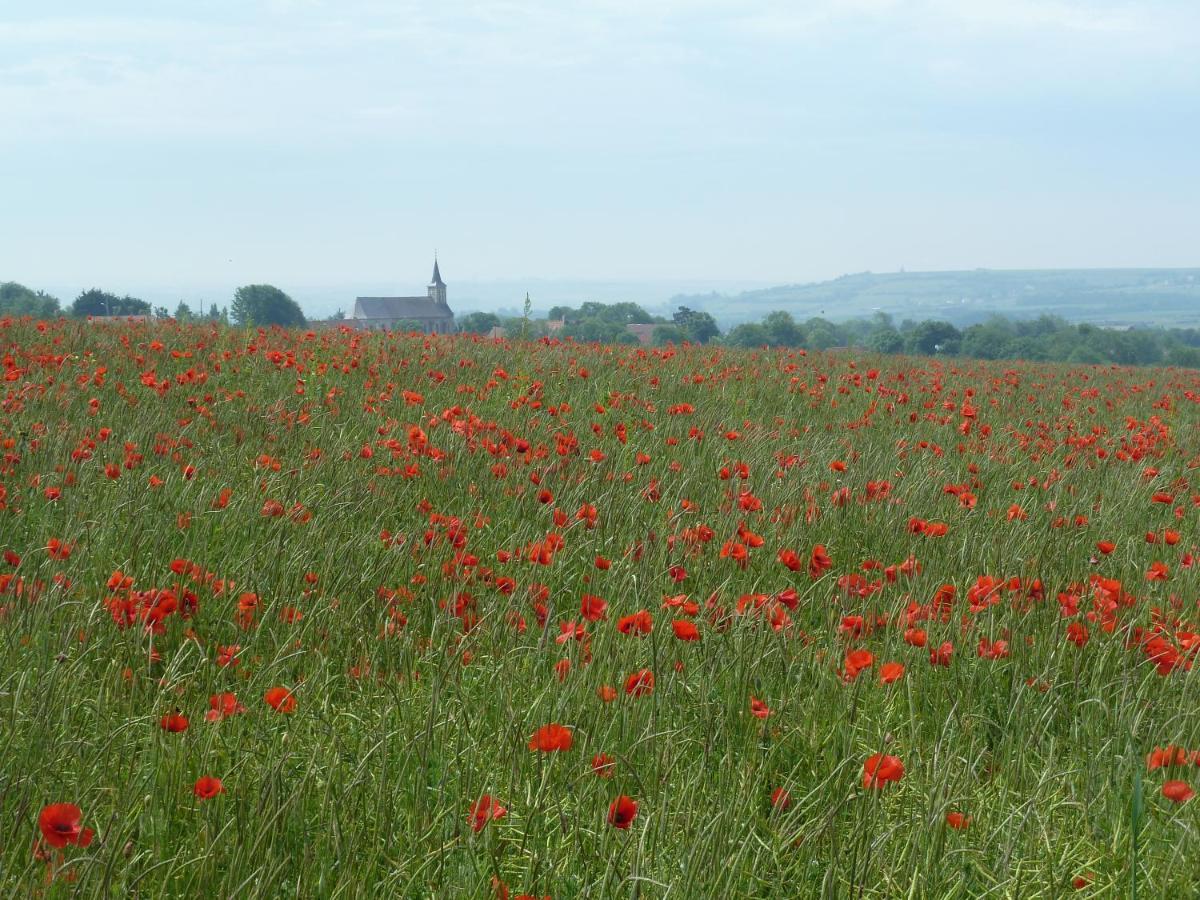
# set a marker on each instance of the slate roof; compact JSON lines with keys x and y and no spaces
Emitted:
{"x":400,"y":308}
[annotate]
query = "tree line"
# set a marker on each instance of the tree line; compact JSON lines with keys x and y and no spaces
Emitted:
{"x":1047,"y":338}
{"x":253,"y":304}
{"x":602,"y":322}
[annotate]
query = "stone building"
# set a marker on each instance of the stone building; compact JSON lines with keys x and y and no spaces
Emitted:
{"x":430,"y":313}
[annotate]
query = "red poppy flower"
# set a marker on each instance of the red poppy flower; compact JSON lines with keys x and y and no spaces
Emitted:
{"x":280,"y":699}
{"x":780,"y":799}
{"x":483,"y":811}
{"x":791,"y":559}
{"x":891,"y":672}
{"x":174,"y":722}
{"x":227,"y":656}
{"x":640,"y":623}
{"x":593,"y":608}
{"x":207,"y":787}
{"x":222,"y":706}
{"x":856,"y":662}
{"x":60,"y":824}
{"x":879,"y":769}
{"x":685,"y":630}
{"x":958,"y":820}
{"x":1178,"y":791}
{"x":940,"y":656}
{"x":551,"y":738}
{"x":758,"y":709}
{"x":603,"y":765}
{"x":1171,"y":755}
{"x":819,"y":562}
{"x":607,"y":693}
{"x":622,"y":812}
{"x":639,"y":683}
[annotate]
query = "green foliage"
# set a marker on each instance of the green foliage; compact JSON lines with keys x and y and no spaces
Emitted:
{"x":18,"y":300}
{"x":931,"y":336}
{"x":667,"y":334}
{"x":95,"y":302}
{"x":885,"y":340}
{"x":603,"y":322}
{"x":264,"y":304}
{"x":1042,"y":339}
{"x":700,"y":327}
{"x":441,"y":626}
{"x":594,"y":329}
{"x":823,"y":334}
{"x":526,"y":312}
{"x":478,"y":322}
{"x":782,"y":330}
{"x":747,"y":335}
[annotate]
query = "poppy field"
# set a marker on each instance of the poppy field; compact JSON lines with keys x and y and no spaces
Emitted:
{"x":339,"y":614}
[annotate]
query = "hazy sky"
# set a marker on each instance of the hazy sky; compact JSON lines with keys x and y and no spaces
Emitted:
{"x":227,"y":141}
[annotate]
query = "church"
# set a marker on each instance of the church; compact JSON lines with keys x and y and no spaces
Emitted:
{"x":430,"y":313}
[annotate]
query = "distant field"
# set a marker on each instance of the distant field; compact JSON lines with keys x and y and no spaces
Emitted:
{"x":1169,"y":297}
{"x":338,"y":614}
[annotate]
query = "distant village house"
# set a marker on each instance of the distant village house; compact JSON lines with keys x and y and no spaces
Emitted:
{"x":430,"y":313}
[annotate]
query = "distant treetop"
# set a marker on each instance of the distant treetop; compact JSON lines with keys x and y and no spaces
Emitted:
{"x":264,"y":304}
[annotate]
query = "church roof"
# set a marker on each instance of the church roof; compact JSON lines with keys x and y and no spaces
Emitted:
{"x":400,"y":308}
{"x":437,"y":275}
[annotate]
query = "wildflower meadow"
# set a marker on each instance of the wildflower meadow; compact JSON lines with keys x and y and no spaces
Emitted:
{"x":331,"y":613}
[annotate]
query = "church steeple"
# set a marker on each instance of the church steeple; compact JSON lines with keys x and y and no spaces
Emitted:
{"x":437,"y":287}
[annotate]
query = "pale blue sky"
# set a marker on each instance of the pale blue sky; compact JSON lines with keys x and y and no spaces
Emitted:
{"x":324,"y":143}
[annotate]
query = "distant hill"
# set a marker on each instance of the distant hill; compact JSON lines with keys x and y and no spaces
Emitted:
{"x":1102,"y":296}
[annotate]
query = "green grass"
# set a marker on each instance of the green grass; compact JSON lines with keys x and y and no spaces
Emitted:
{"x":366,"y":787}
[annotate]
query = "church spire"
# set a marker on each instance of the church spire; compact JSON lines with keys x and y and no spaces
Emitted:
{"x":437,"y":287}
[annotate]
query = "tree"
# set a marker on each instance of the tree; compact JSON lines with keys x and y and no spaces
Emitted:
{"x":782,"y":330}
{"x":1184,"y":357}
{"x":338,"y":315}
{"x":183,"y":312}
{"x":821,"y":333}
{"x":264,"y":304}
{"x":668,"y":334}
{"x":478,"y":322}
{"x":885,"y":340}
{"x":930,"y":337}
{"x":628,"y":314}
{"x":18,"y":300}
{"x":747,"y":335}
{"x":698,"y":326}
{"x":526,"y":311}
{"x":161,"y":312}
{"x":95,"y":302}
